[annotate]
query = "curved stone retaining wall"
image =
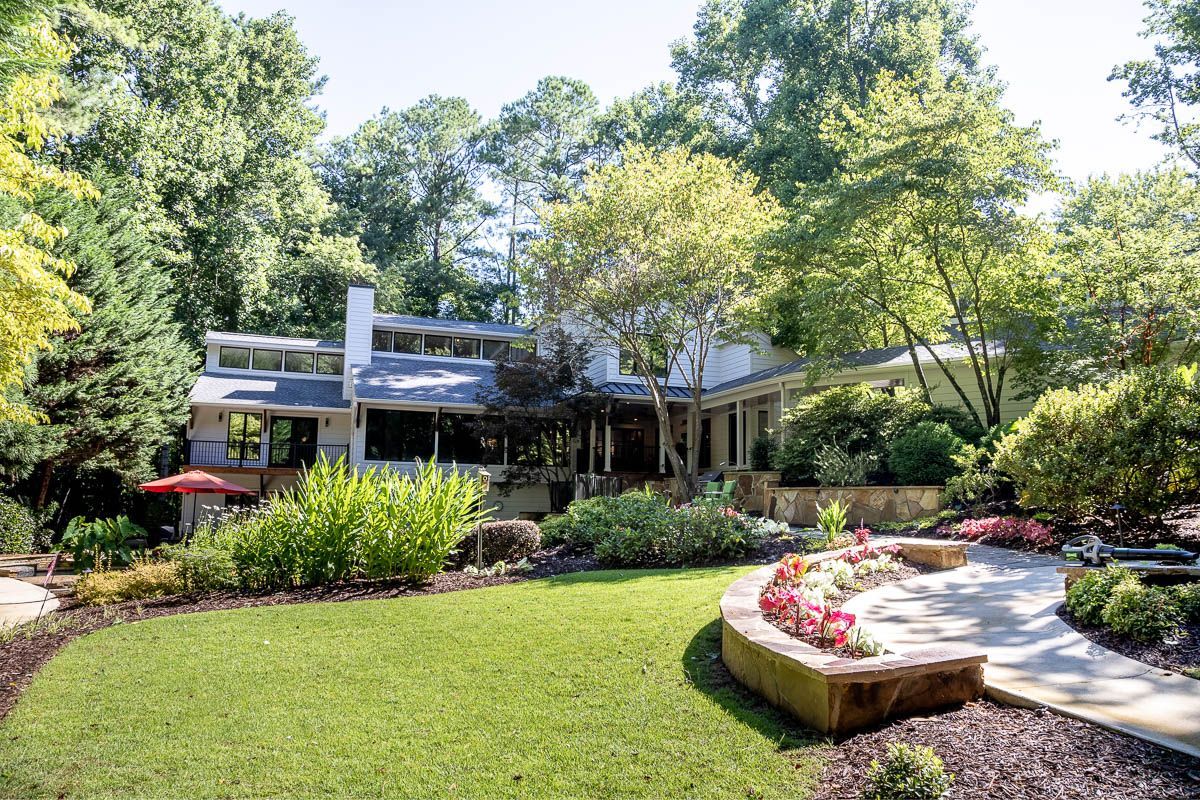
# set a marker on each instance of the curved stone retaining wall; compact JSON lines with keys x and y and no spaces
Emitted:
{"x":836,"y":695}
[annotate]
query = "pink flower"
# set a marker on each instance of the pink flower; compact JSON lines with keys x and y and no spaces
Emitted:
{"x":862,"y":535}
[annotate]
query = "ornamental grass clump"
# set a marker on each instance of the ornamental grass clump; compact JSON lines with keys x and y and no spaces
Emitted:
{"x":340,"y":523}
{"x":144,"y":580}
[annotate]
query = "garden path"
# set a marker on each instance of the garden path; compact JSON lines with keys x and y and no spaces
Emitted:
{"x":21,"y":601}
{"x":1004,"y":602}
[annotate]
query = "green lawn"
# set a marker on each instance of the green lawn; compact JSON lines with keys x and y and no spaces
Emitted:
{"x":593,"y":685}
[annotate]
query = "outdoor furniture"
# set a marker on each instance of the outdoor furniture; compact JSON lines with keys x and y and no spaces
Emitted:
{"x":194,"y":482}
{"x":716,"y":490}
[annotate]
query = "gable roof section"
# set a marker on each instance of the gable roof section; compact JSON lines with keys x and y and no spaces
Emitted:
{"x":467,"y":326}
{"x":262,"y":340}
{"x":412,"y":380}
{"x":883,"y":357}
{"x":220,"y":388}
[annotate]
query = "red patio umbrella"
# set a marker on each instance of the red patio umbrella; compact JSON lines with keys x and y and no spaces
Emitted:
{"x":194,"y":482}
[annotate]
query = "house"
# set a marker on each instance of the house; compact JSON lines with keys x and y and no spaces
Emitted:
{"x":398,"y":389}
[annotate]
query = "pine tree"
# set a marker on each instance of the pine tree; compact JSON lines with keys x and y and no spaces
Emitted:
{"x":115,"y":390}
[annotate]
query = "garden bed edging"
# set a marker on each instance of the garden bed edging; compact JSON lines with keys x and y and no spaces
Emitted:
{"x":836,"y":695}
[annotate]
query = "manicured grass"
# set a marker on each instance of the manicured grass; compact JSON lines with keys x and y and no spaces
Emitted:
{"x":593,"y":685}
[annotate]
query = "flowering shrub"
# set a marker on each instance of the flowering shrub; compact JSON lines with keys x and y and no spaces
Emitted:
{"x":1006,"y":530}
{"x":797,"y":596}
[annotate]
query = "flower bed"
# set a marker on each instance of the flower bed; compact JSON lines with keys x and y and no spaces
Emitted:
{"x":828,"y":691}
{"x":803,"y":598}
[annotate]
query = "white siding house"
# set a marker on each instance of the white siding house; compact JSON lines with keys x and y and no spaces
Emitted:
{"x":398,"y":389}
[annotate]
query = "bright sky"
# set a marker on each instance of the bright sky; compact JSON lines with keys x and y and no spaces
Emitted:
{"x":1055,"y":56}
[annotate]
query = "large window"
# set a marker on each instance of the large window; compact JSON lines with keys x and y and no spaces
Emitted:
{"x":245,"y":436}
{"x":235,"y":357}
{"x":466,"y":348}
{"x":269,"y":360}
{"x":458,"y":440}
{"x":547,"y":445}
{"x":657,"y":352}
{"x":437,"y":345}
{"x":329,"y":364}
{"x":495,"y":350}
{"x":731,"y":440}
{"x":407,"y":343}
{"x":298,"y":362}
{"x":381,"y":341}
{"x":399,"y":435}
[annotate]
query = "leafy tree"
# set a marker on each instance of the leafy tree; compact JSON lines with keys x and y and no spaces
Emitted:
{"x":1163,"y":89}
{"x":536,"y":404}
{"x":769,"y":71}
{"x":418,"y":175}
{"x":539,"y":149}
{"x":1129,"y":266}
{"x":660,"y":116}
{"x":659,"y":257}
{"x":212,"y":116}
{"x":112,"y":392}
{"x":35,"y":300}
{"x":920,"y":233}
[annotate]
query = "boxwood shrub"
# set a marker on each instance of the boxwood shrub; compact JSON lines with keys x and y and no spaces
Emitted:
{"x":19,"y":531}
{"x":924,"y":454}
{"x":508,"y":541}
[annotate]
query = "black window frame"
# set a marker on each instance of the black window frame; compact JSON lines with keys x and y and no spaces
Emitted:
{"x":459,"y":440}
{"x":449,"y":353}
{"x":312,"y":362}
{"x":239,"y":444}
{"x":500,"y":349}
{"x":454,"y":345}
{"x":415,"y":338}
{"x":395,"y":435}
{"x":221,"y":357}
{"x":341,"y":363}
{"x":377,"y":345}
{"x":266,"y":350}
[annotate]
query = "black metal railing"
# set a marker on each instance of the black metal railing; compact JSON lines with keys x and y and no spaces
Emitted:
{"x":284,"y":455}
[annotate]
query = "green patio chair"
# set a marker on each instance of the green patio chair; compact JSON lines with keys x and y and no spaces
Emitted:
{"x":712,"y":491}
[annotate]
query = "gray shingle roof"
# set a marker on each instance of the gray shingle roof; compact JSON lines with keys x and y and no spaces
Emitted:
{"x":885,"y":356}
{"x":414,"y":380}
{"x":639,"y":389}
{"x":405,"y":321}
{"x":214,"y":387}
{"x":253,"y":339}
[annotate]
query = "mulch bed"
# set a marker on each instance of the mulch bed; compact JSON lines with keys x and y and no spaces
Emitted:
{"x":1008,"y":753}
{"x":1179,"y":655}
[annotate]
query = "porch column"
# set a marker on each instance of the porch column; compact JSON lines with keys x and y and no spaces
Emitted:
{"x":607,"y":443}
{"x":591,"y":465}
{"x":782,"y":411}
{"x":741,"y":433}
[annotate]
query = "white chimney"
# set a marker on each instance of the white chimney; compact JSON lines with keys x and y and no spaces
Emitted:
{"x":360,"y":313}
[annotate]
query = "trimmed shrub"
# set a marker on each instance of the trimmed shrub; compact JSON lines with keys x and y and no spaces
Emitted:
{"x":19,"y":532}
{"x":1141,"y":612}
{"x":144,"y":580}
{"x":855,"y":418}
{"x":642,"y":529}
{"x":1132,"y":441}
{"x":1088,"y":596}
{"x":862,"y":422}
{"x":924,"y":454}
{"x":203,"y":569}
{"x":907,"y":772}
{"x":508,"y":541}
{"x":762,"y":452}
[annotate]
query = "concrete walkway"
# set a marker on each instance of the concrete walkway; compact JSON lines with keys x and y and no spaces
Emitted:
{"x":21,"y":601}
{"x":1004,"y":602}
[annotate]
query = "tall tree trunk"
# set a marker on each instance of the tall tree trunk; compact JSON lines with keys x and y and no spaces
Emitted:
{"x":44,"y":485}
{"x":912,"y":352}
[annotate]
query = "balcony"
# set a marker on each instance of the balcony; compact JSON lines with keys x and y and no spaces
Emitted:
{"x":265,"y":456}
